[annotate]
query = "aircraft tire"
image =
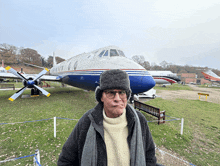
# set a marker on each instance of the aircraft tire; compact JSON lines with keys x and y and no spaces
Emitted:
{"x":132,"y":99}
{"x":32,"y":91}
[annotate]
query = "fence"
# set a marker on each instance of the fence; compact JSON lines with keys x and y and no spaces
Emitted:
{"x":169,"y":159}
{"x":162,"y":156}
{"x":36,"y":158}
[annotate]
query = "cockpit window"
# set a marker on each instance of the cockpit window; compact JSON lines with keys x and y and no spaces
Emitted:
{"x":106,"y":53}
{"x":121,"y":53}
{"x":113,"y":52}
{"x":100,"y":55}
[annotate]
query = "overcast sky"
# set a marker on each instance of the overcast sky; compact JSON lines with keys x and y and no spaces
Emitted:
{"x":177,"y":31}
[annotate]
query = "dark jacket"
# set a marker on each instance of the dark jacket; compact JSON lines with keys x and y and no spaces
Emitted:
{"x":72,"y":150}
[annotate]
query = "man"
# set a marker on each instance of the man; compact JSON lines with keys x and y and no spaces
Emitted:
{"x":112,"y":133}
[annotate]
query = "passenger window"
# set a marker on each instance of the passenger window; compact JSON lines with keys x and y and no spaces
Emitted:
{"x":69,"y":66}
{"x":113,"y":52}
{"x":121,"y":53}
{"x":75,"y":65}
{"x":106,"y":53}
{"x":100,"y":55}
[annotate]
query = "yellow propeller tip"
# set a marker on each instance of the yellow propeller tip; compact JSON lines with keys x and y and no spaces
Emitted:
{"x":47,"y":69}
{"x":7,"y":68}
{"x":11,"y":99}
{"x":48,"y":95}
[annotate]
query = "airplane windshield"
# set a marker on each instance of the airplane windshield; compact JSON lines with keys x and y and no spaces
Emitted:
{"x":100,"y":55}
{"x":106,"y":53}
{"x":113,"y":52}
{"x":121,"y":53}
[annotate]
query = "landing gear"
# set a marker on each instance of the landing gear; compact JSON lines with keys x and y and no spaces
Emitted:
{"x":132,"y":98}
{"x":35,"y":91}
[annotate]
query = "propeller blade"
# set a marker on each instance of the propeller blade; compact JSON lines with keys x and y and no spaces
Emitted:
{"x":41,"y":74}
{"x":18,"y":93}
{"x":13,"y":71}
{"x":42,"y":90}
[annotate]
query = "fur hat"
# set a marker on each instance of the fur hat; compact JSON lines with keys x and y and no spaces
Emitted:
{"x":113,"y":79}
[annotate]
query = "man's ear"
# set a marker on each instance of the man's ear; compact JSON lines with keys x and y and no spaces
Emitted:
{"x":102,"y":97}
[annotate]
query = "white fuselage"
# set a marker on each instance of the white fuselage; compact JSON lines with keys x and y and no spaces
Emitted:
{"x":84,"y":70}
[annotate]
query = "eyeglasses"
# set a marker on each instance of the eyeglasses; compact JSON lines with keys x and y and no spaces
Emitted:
{"x":111,"y":94}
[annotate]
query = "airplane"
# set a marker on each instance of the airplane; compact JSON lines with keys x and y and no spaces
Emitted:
{"x":211,"y":76}
{"x":83,"y":71}
{"x":164,"y":77}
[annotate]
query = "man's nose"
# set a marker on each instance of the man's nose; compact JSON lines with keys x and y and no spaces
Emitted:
{"x":117,"y":97}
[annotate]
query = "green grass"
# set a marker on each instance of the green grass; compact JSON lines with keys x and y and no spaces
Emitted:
{"x":199,"y":144}
{"x":23,"y":139}
{"x":208,"y":86}
{"x":173,"y":87}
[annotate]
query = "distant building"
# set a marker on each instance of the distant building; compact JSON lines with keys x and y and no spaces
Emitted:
{"x":187,"y":78}
{"x":201,"y":81}
{"x":191,"y":78}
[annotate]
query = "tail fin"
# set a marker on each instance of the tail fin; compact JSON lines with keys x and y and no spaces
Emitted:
{"x":54,"y":60}
{"x":210,"y":75}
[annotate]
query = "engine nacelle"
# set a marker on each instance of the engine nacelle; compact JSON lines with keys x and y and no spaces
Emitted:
{"x":30,"y":82}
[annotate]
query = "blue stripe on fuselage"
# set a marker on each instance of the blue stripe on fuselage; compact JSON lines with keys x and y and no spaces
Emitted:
{"x":140,"y":81}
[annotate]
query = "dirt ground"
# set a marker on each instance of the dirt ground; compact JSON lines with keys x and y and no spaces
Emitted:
{"x":214,"y":94}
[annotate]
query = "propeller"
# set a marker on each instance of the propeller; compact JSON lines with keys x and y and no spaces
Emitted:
{"x":28,"y":83}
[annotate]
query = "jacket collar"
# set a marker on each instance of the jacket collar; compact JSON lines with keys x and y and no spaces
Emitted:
{"x":96,"y":117}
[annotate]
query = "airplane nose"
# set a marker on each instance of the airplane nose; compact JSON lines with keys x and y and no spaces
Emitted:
{"x":148,"y":82}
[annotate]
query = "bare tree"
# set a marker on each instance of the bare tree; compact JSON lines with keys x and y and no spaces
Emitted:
{"x":164,"y":64}
{"x":28,"y":55}
{"x":58,"y":59}
{"x":50,"y":60}
{"x":139,"y":59}
{"x":146,"y":65}
{"x":8,"y":53}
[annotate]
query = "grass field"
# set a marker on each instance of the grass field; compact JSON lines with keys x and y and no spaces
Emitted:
{"x":199,"y":144}
{"x":173,"y":87}
{"x":209,"y":86}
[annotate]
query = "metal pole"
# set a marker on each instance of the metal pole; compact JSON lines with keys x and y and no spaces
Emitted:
{"x":38,"y":156}
{"x":37,"y":152}
{"x":54,"y":127}
{"x":182,"y":121}
{"x":34,"y":160}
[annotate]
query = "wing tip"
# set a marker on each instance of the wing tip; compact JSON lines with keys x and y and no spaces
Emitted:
{"x":11,"y":99}
{"x":7,"y":68}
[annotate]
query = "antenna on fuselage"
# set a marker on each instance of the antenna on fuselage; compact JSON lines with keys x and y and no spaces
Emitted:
{"x":54,"y":60}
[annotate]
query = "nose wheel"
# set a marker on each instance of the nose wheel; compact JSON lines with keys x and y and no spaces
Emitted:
{"x":35,"y":91}
{"x":132,"y":98}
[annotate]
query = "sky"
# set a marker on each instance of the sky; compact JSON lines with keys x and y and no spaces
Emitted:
{"x":183,"y":32}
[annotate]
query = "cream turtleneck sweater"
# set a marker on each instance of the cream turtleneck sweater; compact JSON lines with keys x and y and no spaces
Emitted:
{"x":115,"y":135}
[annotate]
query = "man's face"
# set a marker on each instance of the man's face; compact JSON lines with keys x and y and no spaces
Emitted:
{"x":114,"y":103}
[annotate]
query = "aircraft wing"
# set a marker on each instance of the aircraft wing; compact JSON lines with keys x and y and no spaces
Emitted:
{"x":50,"y":78}
{"x":7,"y":75}
{"x":43,"y":78}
